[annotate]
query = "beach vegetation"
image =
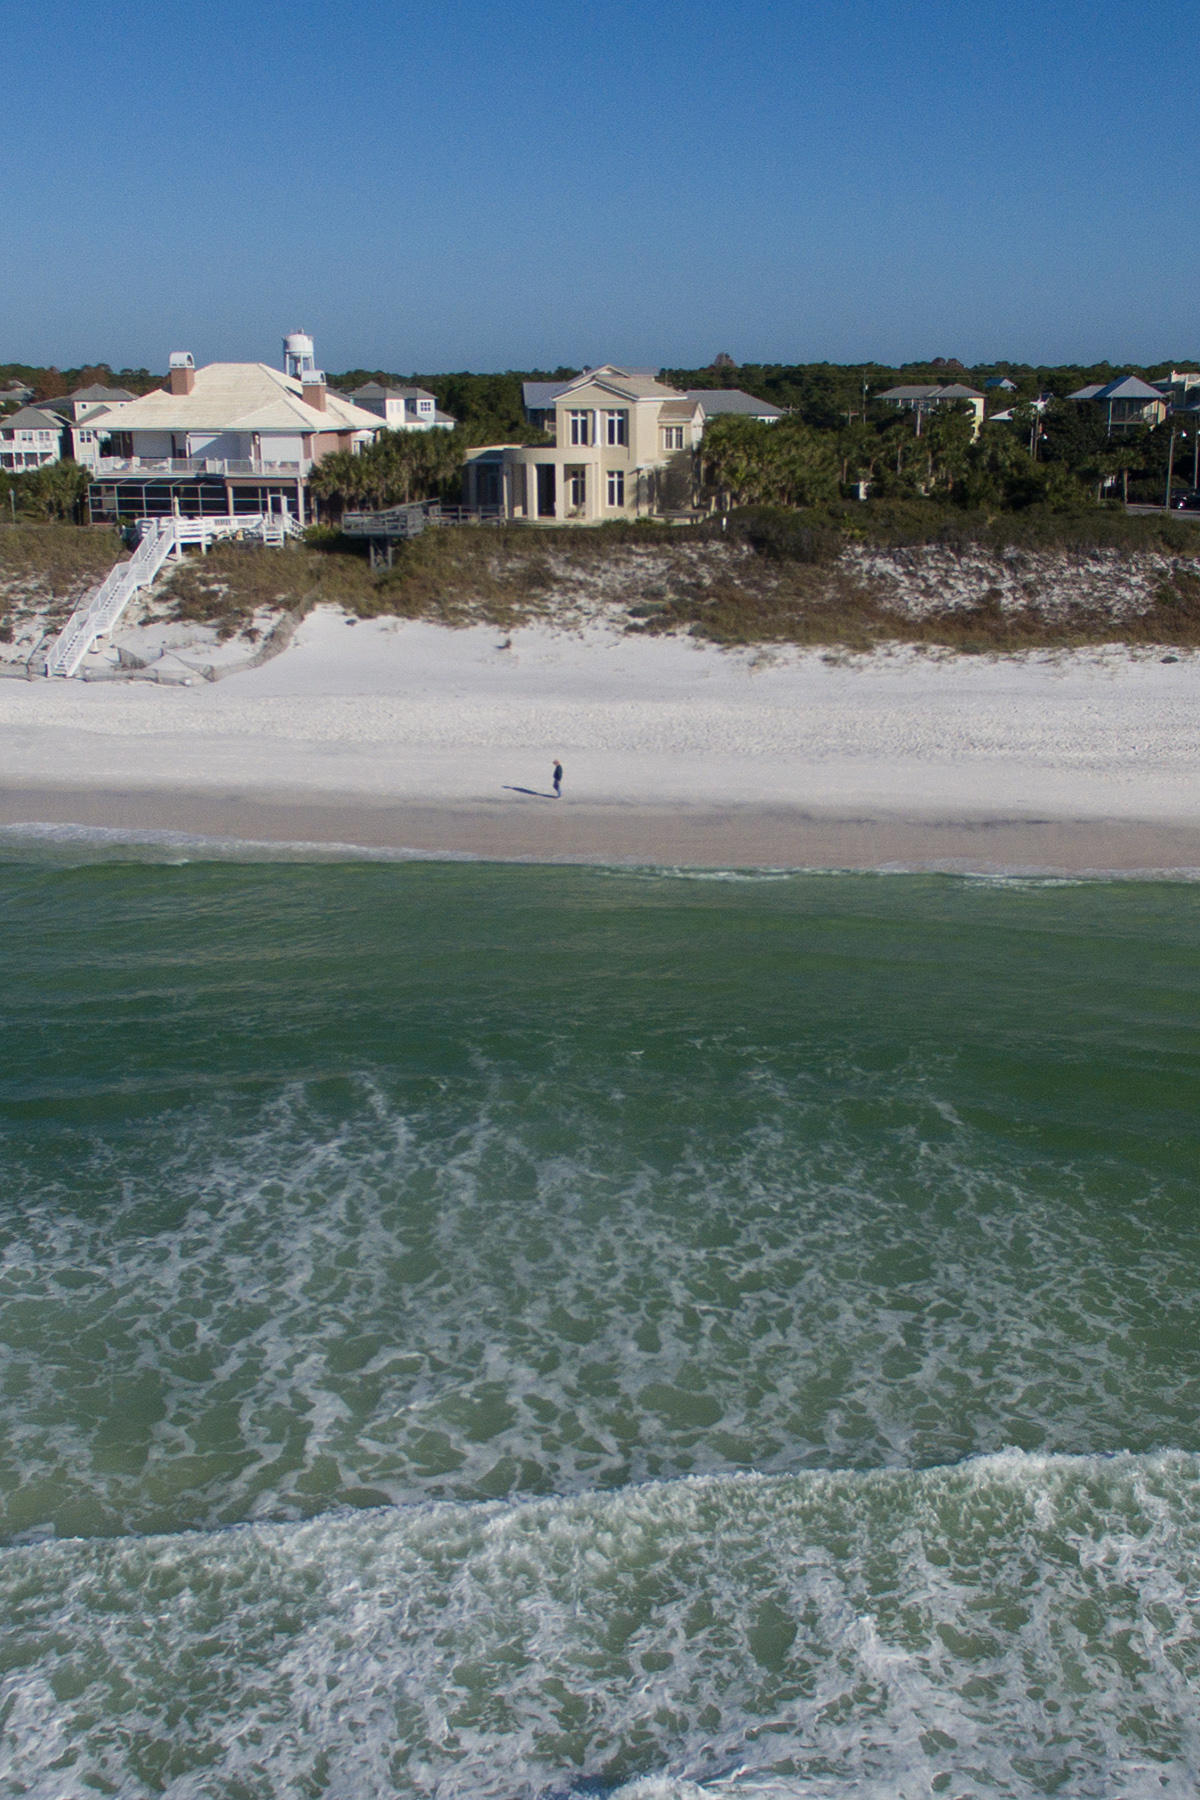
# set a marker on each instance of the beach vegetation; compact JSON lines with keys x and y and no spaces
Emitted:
{"x":57,"y":490}
{"x":745,"y":462}
{"x":234,"y":584}
{"x":399,"y":467}
{"x":844,"y":576}
{"x":45,"y":569}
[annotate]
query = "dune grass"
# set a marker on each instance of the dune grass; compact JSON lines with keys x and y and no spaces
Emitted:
{"x":732,"y":588}
{"x":764,"y":576}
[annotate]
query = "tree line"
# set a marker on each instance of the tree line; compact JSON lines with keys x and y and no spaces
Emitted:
{"x":1061,"y":457}
{"x":835,"y":438}
{"x":53,"y":383}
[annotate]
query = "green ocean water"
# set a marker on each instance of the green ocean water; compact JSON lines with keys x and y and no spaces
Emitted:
{"x":502,"y":1331}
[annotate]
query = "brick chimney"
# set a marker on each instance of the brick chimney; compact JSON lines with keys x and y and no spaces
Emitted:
{"x":312,"y":388}
{"x":181,"y":372}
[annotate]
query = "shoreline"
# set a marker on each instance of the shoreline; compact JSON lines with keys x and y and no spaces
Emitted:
{"x":397,"y":737}
{"x":697,"y":836}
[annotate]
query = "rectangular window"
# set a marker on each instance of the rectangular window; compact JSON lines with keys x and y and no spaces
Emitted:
{"x":577,"y":487}
{"x":616,"y":487}
{"x":580,"y":428}
{"x":616,"y":427}
{"x":672,"y":437}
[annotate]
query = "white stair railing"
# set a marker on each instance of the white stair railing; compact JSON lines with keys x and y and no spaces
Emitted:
{"x":100,"y":609}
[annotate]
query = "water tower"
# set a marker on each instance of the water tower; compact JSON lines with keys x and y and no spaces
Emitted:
{"x":298,"y":355}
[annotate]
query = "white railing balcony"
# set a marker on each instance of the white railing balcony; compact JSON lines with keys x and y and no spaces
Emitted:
{"x":196,"y":465}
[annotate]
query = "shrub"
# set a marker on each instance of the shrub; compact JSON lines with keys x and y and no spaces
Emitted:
{"x":784,"y":534}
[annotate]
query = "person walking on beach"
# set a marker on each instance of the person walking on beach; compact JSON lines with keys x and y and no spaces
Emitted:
{"x":557,"y":780}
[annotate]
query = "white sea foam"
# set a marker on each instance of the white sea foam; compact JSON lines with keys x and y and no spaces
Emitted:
{"x":1002,"y":1627}
{"x":357,"y":1294}
{"x":112,"y":843}
{"x":72,"y":843}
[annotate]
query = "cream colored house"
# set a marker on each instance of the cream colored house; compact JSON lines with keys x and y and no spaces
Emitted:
{"x":623,"y":447}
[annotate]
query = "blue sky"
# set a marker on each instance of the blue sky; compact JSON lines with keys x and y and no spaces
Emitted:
{"x":475,"y":186}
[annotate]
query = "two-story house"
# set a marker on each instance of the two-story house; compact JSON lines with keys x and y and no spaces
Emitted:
{"x":224,"y":438}
{"x":81,"y":440}
{"x":29,"y":438}
{"x":1126,"y":403}
{"x":622,"y":447}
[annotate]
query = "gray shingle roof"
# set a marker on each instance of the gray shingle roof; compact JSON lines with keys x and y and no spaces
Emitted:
{"x":536,"y":396}
{"x":30,"y":418}
{"x":375,"y":390}
{"x":102,"y":394}
{"x":1122,"y":387}
{"x":1128,"y":387}
{"x":953,"y":390}
{"x":733,"y":400}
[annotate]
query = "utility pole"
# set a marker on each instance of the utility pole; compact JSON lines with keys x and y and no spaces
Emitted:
{"x":1170,"y":472}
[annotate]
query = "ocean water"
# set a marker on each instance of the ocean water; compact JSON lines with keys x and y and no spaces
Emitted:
{"x":493,"y":1332}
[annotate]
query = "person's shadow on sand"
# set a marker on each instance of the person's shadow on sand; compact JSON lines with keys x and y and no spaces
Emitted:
{"x":536,"y":793}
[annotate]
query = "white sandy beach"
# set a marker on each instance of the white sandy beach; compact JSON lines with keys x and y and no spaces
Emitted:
{"x":409,"y":735}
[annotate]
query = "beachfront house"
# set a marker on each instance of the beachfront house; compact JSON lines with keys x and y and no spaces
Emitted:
{"x":622,"y":444}
{"x":225,"y":438}
{"x":29,"y":438}
{"x":402,"y":408}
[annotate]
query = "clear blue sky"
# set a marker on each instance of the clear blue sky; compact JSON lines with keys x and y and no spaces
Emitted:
{"x":475,"y":186}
